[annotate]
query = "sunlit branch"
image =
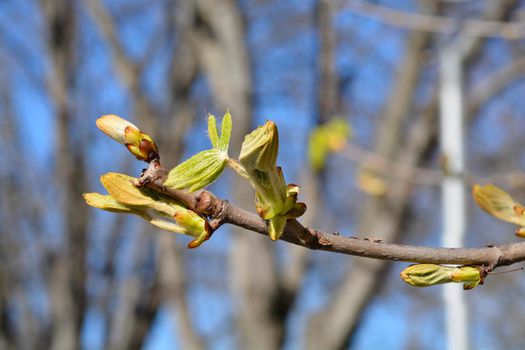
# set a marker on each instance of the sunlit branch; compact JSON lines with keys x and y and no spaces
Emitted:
{"x":220,"y":211}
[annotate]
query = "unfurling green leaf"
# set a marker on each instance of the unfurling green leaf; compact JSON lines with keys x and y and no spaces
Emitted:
{"x":259,"y":157}
{"x":501,"y":205}
{"x":198,"y":171}
{"x":220,"y":142}
{"x":226,"y":132}
{"x":122,"y":189}
{"x":205,"y":167}
{"x":274,"y":200}
{"x":426,"y":275}
{"x":140,"y":144}
{"x":159,"y":210}
{"x":325,"y":139}
{"x":212,"y":131}
{"x":107,"y":203}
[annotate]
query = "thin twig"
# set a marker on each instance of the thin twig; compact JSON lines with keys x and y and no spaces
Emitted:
{"x":434,"y":24}
{"x":394,"y":170}
{"x":221,"y":212}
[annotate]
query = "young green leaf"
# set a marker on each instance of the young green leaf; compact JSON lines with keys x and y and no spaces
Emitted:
{"x":158,"y":210}
{"x":226,"y":131}
{"x":499,"y":204}
{"x":121,"y":188}
{"x":198,"y":171}
{"x":205,"y":167}
{"x":276,"y":226}
{"x":107,"y":203}
{"x":471,"y":276}
{"x":212,"y":131}
{"x":325,"y":139}
{"x":221,"y":143}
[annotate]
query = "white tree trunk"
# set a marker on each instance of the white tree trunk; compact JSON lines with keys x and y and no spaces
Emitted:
{"x":453,"y":195}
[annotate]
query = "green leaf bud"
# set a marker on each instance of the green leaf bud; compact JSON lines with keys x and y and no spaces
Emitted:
{"x":426,"y":275}
{"x":140,"y":144}
{"x":274,"y":200}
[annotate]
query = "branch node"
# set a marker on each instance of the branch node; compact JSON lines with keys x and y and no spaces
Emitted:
{"x":498,"y":258}
{"x":313,"y":239}
{"x":373,"y":240}
{"x":322,"y":239}
{"x":154,"y":172}
{"x":209,"y":205}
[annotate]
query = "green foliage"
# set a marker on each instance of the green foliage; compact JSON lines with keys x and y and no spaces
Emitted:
{"x":501,"y":205}
{"x":205,"y":167}
{"x":226,"y":132}
{"x":198,"y":171}
{"x":275,"y":201}
{"x":325,"y":139}
{"x":426,"y":275}
{"x":158,"y":210}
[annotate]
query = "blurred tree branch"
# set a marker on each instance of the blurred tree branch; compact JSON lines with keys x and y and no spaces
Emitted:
{"x":433,"y":24}
{"x":394,"y":170}
{"x":68,"y":267}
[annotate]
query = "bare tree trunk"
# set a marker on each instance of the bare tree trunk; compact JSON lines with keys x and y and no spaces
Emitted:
{"x":361,"y":284}
{"x":353,"y":295}
{"x":140,"y":304}
{"x":223,"y":57}
{"x":68,"y":278}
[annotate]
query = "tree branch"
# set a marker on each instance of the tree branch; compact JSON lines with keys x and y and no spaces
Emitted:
{"x":432,"y":23}
{"x":220,"y":212}
{"x":395,"y":170}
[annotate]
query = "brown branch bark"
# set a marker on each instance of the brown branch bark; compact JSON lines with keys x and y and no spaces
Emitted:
{"x":226,"y":213}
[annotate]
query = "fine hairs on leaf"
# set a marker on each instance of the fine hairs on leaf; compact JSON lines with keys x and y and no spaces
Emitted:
{"x":226,"y":132}
{"x":212,"y":131}
{"x":205,"y":167}
{"x":198,"y":171}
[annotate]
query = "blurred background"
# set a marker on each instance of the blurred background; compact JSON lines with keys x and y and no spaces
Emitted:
{"x":72,"y":277}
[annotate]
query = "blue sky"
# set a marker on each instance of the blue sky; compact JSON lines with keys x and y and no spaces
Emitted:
{"x":284,"y":83}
